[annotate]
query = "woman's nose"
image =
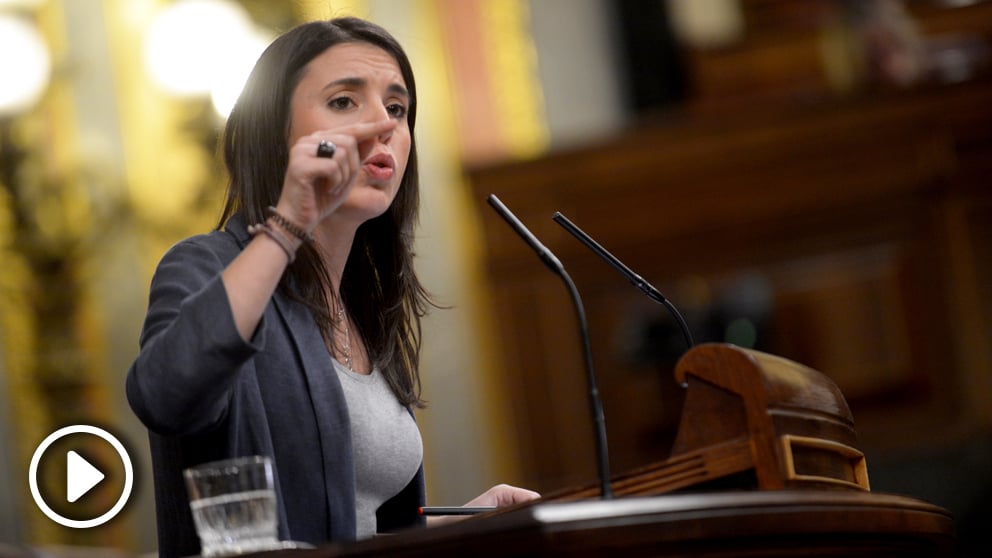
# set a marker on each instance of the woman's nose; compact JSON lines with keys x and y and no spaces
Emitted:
{"x":378,"y":113}
{"x":386,"y":136}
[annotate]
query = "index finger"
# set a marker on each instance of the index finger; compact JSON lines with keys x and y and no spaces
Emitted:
{"x":367,"y":130}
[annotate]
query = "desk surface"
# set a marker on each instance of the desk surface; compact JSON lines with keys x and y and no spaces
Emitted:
{"x":765,"y":523}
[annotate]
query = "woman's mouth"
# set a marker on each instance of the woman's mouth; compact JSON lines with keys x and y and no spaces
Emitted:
{"x":380,"y":166}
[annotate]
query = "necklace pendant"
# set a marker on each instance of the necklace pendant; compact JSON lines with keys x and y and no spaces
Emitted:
{"x":347,"y":338}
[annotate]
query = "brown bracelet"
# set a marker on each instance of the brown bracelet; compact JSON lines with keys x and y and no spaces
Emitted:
{"x":278,"y":237}
{"x":290,"y":226}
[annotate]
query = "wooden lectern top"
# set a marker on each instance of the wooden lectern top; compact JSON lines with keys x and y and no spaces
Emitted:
{"x":739,"y":524}
{"x":751,"y":421}
{"x":791,"y":421}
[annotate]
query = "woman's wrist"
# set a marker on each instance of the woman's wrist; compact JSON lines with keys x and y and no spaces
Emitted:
{"x":285,"y":220}
{"x":292,"y":239}
{"x":272,"y":230}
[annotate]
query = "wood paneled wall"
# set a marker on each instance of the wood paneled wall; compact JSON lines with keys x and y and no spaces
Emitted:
{"x":851,"y":235}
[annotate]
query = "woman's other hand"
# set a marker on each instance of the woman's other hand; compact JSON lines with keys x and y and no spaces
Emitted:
{"x":498,"y":496}
{"x":503,"y":495}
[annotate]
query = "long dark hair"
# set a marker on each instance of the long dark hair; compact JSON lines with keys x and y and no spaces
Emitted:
{"x":379,"y":286}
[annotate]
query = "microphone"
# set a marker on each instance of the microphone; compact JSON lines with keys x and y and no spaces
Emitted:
{"x":644,"y":286}
{"x":595,"y":405}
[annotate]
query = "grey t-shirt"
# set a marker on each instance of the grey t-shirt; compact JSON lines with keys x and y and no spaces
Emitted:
{"x":386,"y":441}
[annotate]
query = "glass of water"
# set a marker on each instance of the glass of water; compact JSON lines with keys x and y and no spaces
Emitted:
{"x":234,"y":505}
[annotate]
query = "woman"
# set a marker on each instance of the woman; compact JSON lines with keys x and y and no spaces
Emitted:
{"x":293,"y":329}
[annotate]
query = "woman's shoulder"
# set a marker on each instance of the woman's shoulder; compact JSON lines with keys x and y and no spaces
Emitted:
{"x":201,"y":255}
{"x":221,"y":244}
{"x":218,"y":244}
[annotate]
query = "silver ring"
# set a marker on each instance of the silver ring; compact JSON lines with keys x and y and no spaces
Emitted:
{"x":326,"y":149}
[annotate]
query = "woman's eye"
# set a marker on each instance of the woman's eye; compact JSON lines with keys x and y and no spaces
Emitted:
{"x":340,"y":103}
{"x":396,"y":110}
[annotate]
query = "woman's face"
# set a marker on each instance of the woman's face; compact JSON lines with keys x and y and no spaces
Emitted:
{"x":351,"y":83}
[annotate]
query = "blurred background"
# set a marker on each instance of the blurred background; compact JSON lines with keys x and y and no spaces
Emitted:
{"x":805,"y":178}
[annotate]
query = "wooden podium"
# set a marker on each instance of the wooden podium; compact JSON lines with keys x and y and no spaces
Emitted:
{"x":724,"y":524}
{"x":765,"y":464}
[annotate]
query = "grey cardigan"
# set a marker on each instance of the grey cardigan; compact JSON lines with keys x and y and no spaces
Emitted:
{"x":205,"y":394}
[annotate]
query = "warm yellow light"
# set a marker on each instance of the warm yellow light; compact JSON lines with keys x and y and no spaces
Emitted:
{"x":25,"y":65}
{"x":191,"y":43}
{"x":231,"y":79}
{"x":20,"y":4}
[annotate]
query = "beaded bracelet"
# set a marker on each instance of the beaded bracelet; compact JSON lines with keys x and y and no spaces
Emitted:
{"x":278,"y":237}
{"x":290,"y":226}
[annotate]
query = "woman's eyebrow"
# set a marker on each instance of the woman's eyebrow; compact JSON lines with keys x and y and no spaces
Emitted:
{"x":357,"y":82}
{"x":347,"y":82}
{"x":397,"y":89}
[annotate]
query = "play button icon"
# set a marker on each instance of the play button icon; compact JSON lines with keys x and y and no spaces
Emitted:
{"x":82,"y":456}
{"x":80,"y":476}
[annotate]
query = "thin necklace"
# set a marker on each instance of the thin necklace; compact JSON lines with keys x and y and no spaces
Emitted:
{"x":347,"y":337}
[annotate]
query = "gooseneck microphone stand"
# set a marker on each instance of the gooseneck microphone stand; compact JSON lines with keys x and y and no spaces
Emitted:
{"x":595,"y":405}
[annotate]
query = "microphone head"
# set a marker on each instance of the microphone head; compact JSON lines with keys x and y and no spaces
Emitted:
{"x":546,"y":256}
{"x":635,"y":279}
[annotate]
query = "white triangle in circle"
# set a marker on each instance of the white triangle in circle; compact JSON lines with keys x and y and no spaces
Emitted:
{"x":80,"y":476}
